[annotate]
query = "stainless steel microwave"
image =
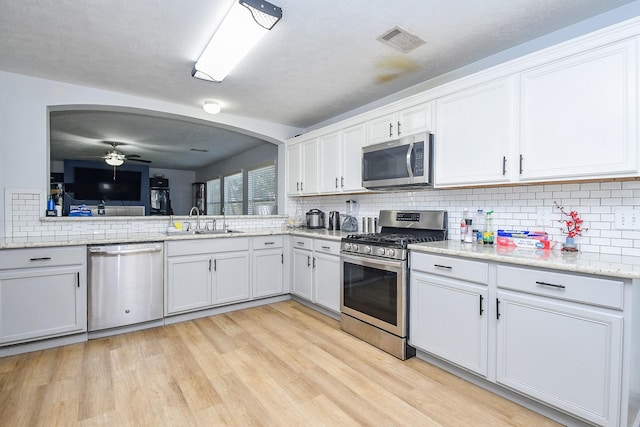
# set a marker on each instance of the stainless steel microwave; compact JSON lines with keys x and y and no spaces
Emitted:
{"x":405,"y":162}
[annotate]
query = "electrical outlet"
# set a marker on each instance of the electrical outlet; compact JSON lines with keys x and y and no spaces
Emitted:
{"x":543,"y":217}
{"x":627,"y":219}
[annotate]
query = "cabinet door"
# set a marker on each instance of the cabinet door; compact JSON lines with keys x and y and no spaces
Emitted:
{"x":188,"y":283}
{"x":381,"y":129}
{"x":474,"y":130}
{"x":326,"y":281}
{"x":231,"y":277}
{"x":353,"y":139}
{"x":413,"y":120}
{"x":40,"y":303}
{"x":268,"y":272}
{"x":329,"y":159}
{"x":579,"y":115}
{"x":294,"y":168}
{"x":449,"y":319}
{"x":302,"y":273}
{"x":566,"y":355}
{"x":309,"y":184}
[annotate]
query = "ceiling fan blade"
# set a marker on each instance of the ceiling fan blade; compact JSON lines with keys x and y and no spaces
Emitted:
{"x":139,"y":160}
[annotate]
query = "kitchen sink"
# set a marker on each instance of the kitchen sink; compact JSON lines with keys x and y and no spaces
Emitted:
{"x":201,"y":231}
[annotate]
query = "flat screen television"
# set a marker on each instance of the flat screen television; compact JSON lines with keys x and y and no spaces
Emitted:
{"x":98,"y":184}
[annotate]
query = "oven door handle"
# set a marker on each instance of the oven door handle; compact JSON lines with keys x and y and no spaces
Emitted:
{"x":381,"y":263}
{"x":409,"y":155}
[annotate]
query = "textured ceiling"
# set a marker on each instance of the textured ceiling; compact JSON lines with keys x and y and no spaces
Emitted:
{"x":321,"y":60}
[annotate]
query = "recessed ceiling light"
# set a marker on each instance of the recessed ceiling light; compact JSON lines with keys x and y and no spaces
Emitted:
{"x":211,"y":107}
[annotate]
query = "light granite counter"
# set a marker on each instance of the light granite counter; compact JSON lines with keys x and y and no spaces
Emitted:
{"x":115,"y":238}
{"x":625,"y":267}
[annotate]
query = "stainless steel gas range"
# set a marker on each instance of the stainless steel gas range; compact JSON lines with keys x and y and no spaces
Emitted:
{"x":374,"y":302}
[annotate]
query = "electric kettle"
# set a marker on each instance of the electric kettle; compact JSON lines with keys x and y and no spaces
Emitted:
{"x":334,"y":221}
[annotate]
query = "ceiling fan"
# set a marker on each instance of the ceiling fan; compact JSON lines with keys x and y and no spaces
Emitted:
{"x":117,"y":158}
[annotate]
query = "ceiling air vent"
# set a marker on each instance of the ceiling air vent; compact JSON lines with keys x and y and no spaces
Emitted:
{"x":401,"y":39}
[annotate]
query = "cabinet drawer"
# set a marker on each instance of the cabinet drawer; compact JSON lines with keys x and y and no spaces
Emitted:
{"x":463,"y":269}
{"x":327,"y":246}
{"x":205,"y":246}
{"x":267,"y":242}
{"x":589,"y":290}
{"x":301,"y":242}
{"x":42,"y":257}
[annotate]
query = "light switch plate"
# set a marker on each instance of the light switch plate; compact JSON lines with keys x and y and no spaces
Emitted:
{"x":627,"y":219}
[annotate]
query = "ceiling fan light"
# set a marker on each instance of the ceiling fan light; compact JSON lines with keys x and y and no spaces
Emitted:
{"x":241,"y":29}
{"x":114,"y":159}
{"x":211,"y":107}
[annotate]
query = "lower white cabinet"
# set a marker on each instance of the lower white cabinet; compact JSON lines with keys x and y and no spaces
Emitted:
{"x":449,"y":318}
{"x":268,"y":266}
{"x":207,"y":272}
{"x":43,"y":293}
{"x":316,"y":271}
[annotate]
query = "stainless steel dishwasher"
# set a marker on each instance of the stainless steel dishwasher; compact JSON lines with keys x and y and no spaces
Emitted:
{"x":125,"y":284}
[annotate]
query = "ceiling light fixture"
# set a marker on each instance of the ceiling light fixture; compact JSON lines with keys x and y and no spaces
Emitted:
{"x":242,"y":28}
{"x":211,"y":107}
{"x":114,"y":158}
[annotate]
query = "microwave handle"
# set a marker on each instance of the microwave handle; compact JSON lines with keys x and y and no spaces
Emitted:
{"x":409,"y":154}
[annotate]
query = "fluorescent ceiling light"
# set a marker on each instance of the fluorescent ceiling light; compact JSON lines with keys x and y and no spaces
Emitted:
{"x":245,"y":24}
{"x":211,"y":107}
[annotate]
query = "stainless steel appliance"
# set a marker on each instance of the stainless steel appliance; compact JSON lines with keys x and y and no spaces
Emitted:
{"x":405,"y":162}
{"x":125,"y":284}
{"x":374,"y":302}
{"x":315,"y":219}
{"x":334,"y":221}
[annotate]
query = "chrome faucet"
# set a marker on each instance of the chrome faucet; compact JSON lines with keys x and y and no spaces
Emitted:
{"x":197,"y":216}
{"x":224,"y":219}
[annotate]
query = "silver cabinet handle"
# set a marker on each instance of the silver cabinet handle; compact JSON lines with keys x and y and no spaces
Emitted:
{"x":520,"y":164}
{"x":269,"y":243}
{"x":308,"y":260}
{"x":443,"y":266}
{"x":342,"y":181}
{"x":326,"y":248}
{"x":504,"y":165}
{"x":336,"y":182}
{"x":44,"y":258}
{"x":300,"y":243}
{"x":390,"y":130}
{"x":399,"y":132}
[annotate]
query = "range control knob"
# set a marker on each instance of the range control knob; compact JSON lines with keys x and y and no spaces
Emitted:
{"x":380,"y":251}
{"x":366,"y":249}
{"x":354,"y":247}
{"x":347,"y":246}
{"x":391,"y":253}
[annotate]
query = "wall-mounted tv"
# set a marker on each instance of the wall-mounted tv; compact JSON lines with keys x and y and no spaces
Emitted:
{"x":99,"y":184}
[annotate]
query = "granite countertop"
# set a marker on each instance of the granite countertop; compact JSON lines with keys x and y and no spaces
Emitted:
{"x":625,"y":267}
{"x":105,"y":239}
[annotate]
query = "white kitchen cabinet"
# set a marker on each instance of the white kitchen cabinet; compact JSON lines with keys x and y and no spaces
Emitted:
{"x":268,"y":266}
{"x":579,"y":115}
{"x":302,"y":267}
{"x":474,"y":133}
{"x":404,"y":122}
{"x":326,"y":274}
{"x":231,"y":281}
{"x":188,"y":283}
{"x":302,"y":168}
{"x":43,"y":293}
{"x":340,"y":160}
{"x":554,"y":345}
{"x":449,"y":318}
{"x":206,"y":272}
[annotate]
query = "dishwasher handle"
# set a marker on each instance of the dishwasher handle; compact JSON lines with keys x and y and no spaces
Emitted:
{"x":102,"y":251}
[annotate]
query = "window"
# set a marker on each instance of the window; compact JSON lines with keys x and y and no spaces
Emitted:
{"x":261,"y":190}
{"x":233,"y":194}
{"x":213,"y":197}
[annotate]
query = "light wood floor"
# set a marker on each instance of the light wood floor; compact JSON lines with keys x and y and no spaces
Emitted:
{"x":281,"y":364}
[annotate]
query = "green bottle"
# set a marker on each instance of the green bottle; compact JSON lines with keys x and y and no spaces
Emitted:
{"x":487,"y":235}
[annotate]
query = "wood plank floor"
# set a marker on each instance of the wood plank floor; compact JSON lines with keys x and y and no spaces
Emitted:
{"x":276,"y":365}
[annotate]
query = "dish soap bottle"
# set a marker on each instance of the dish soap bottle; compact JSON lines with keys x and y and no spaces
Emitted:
{"x":487,"y":235}
{"x":463,"y":224}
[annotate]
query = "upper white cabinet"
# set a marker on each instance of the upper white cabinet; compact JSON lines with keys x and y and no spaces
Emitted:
{"x":474,"y":131}
{"x":340,"y":160}
{"x":302,"y":158}
{"x":579,"y":115}
{"x":407,"y":121}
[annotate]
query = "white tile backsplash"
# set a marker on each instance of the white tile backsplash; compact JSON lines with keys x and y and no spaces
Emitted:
{"x":514,"y":207}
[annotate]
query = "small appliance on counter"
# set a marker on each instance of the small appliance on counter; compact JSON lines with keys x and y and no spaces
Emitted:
{"x":315,"y":219}
{"x":350,"y":222}
{"x":334,"y":221}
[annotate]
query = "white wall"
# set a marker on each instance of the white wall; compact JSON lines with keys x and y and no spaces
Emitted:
{"x":24,"y":152}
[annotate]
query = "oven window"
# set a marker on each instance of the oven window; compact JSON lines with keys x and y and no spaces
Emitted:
{"x":371,"y":291}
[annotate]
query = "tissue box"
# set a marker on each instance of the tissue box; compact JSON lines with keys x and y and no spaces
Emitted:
{"x":524,"y":239}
